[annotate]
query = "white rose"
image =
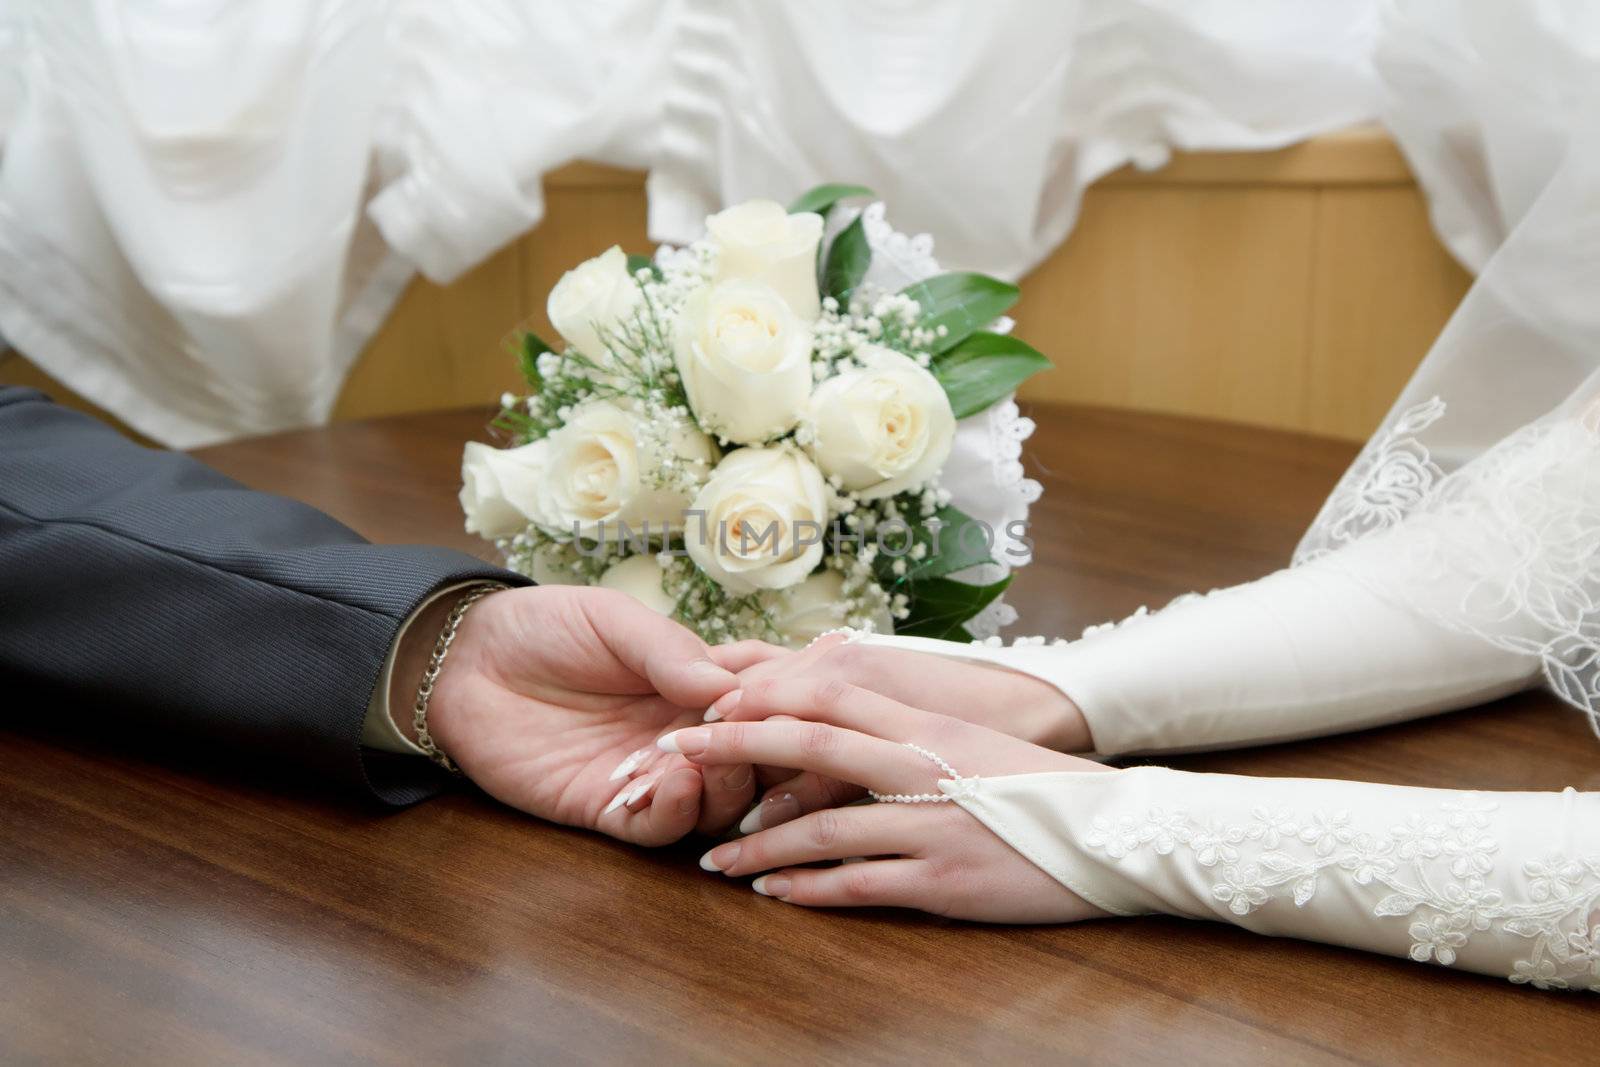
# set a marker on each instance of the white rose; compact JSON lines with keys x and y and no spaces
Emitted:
{"x":760,"y":241}
{"x":745,"y":361}
{"x":882,"y":429}
{"x":598,"y":295}
{"x":761,"y":522}
{"x":602,"y":469}
{"x":815,"y":606}
{"x":640,"y":578}
{"x":500,"y":487}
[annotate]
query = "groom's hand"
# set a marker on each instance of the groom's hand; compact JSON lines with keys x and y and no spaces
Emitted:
{"x":546,"y":691}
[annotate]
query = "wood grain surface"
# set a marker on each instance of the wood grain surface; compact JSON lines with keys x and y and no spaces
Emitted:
{"x":158,"y":915}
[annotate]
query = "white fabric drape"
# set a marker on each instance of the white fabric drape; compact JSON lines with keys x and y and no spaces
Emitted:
{"x":206,"y":209}
{"x":983,"y":123}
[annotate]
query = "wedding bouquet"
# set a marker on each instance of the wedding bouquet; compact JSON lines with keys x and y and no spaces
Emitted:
{"x":786,"y":427}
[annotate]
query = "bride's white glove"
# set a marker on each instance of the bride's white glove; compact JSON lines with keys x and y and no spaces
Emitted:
{"x":1502,"y":883}
{"x":931,"y":856}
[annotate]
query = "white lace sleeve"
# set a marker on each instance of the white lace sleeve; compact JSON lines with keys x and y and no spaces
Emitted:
{"x":1500,"y":883}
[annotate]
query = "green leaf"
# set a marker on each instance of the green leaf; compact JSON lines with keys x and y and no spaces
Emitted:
{"x":636,"y":263}
{"x":985,"y":368}
{"x":947,"y":551}
{"x":848,"y":258}
{"x":962,"y":303}
{"x":940,"y":605}
{"x":528,"y":353}
{"x":823,"y":197}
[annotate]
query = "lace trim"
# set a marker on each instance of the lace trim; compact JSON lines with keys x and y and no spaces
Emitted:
{"x":1394,"y":474}
{"x":1516,"y":533}
{"x":1279,"y":853}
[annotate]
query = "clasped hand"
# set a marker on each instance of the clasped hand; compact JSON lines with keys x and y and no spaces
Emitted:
{"x":582,"y":706}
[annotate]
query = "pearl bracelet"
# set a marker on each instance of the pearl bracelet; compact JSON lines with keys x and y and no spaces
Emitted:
{"x":430,"y":675}
{"x":965,"y":786}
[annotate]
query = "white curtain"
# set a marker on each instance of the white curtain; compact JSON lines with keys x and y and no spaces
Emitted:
{"x":207,"y":208}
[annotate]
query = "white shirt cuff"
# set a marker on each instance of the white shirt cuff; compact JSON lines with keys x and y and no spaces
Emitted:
{"x":380,"y":731}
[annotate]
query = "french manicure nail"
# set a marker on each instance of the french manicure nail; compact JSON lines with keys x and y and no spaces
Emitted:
{"x":772,"y":885}
{"x":690,"y":741}
{"x":773,"y":811}
{"x":723,"y":706}
{"x":629,"y":765}
{"x":617,"y":801}
{"x":639,"y":790}
{"x":730,"y":855}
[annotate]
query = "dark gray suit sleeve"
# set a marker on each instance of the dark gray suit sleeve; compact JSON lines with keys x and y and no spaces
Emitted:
{"x":143,"y":594}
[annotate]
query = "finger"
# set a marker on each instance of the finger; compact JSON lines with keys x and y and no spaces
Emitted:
{"x":727,"y":796}
{"x":674,"y":807}
{"x":897,"y":883}
{"x":797,"y":796}
{"x":806,"y":746}
{"x":742,"y":655}
{"x":794,"y":662}
{"x":638,"y":797}
{"x":824,"y":699}
{"x":835,"y":834}
{"x":670,"y":657}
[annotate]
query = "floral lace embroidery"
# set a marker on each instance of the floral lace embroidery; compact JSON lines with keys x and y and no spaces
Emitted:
{"x":1280,"y":852}
{"x":1392,"y":476}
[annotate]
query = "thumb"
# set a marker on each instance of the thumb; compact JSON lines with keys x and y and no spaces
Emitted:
{"x":675,"y":662}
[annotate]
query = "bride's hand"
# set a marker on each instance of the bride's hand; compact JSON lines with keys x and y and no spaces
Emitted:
{"x":1007,"y":701}
{"x":931,"y":856}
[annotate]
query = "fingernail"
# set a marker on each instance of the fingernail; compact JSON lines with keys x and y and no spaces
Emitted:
{"x":639,"y":790}
{"x":723,"y":706}
{"x":712,"y":862}
{"x":690,"y":742}
{"x":772,"y":885}
{"x":772,"y":811}
{"x":617,"y":801}
{"x":629,"y":765}
{"x":737,"y":778}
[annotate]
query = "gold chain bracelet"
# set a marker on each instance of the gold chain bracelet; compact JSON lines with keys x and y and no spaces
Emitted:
{"x":430,"y":676}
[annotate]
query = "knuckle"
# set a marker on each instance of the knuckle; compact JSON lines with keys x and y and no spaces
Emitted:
{"x":842,"y":657}
{"x":817,"y":739}
{"x":823,"y":829}
{"x":855,"y":884}
{"x":829,"y":694}
{"x":732,"y":739}
{"x":757,"y":692}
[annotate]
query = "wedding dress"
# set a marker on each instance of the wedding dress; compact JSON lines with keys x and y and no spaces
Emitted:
{"x":1458,"y":560}
{"x":1501,"y":883}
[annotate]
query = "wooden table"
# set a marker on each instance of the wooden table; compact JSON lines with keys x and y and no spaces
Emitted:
{"x":154,"y":915}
